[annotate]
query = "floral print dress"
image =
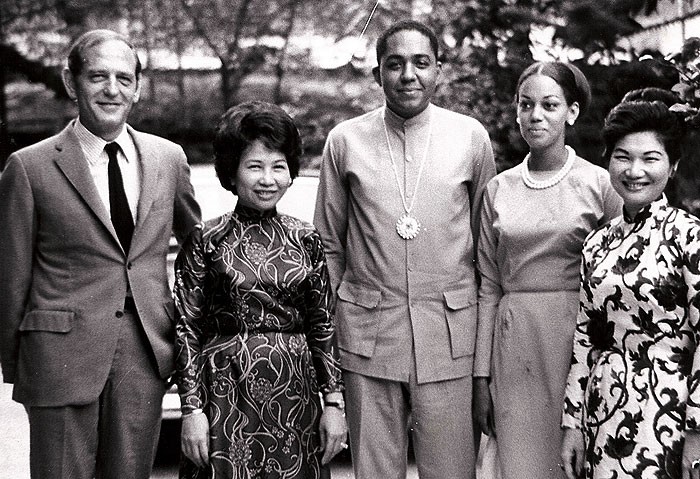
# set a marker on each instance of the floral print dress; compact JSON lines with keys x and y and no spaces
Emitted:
{"x":633,"y":384}
{"x":255,"y":343}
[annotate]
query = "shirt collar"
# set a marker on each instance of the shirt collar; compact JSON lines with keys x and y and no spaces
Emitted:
{"x":398,"y":122}
{"x":93,"y":145}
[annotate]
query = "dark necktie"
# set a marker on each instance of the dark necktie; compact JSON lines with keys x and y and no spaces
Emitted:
{"x":118,"y":205}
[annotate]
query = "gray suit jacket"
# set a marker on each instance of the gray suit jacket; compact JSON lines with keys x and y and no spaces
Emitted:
{"x":64,"y":274}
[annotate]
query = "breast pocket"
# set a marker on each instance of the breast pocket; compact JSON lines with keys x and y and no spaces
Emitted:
{"x":460,"y":314}
{"x":358,"y":311}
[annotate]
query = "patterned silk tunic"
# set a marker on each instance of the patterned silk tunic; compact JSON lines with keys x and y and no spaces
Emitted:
{"x":255,"y":343}
{"x":633,"y":384}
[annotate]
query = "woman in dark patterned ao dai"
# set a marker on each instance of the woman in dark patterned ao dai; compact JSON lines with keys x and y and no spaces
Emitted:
{"x":632,"y":407}
{"x":255,"y":337}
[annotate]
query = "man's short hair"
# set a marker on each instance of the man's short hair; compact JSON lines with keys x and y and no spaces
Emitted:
{"x":76,"y":56}
{"x":406,"y":25}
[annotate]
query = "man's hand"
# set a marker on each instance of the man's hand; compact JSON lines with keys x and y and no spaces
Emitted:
{"x":483,"y":406}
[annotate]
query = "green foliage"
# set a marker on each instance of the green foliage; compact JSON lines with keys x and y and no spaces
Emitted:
{"x":685,"y":67}
{"x":491,"y":46}
{"x":34,"y":28}
{"x":485,"y":46}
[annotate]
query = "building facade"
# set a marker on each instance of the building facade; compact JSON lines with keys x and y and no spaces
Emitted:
{"x":668,"y":27}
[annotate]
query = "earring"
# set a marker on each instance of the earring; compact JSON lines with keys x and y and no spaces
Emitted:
{"x":570,"y":122}
{"x":517,"y":120}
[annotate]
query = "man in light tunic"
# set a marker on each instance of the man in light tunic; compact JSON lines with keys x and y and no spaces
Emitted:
{"x":397,"y":208}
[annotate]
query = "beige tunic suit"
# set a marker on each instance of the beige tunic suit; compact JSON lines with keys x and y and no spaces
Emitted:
{"x":406,"y":309}
{"x":64,"y":274}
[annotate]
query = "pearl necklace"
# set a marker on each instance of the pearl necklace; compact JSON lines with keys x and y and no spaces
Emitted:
{"x":530,"y":182}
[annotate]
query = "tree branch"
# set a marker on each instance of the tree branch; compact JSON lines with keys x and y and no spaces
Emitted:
{"x":33,"y":70}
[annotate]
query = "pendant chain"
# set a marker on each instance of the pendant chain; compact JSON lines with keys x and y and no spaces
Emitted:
{"x":406,"y":207}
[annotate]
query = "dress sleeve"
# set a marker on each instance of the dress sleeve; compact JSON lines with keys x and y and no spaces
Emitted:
{"x":192,"y":277}
{"x":691,"y":275}
{"x":318,"y":319}
{"x":490,"y":290}
{"x":581,"y":360}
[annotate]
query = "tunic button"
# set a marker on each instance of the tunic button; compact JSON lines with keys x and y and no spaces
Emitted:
{"x":119,"y":314}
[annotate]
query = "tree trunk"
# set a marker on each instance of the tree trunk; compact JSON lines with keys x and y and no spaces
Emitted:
{"x":179,"y":50}
{"x":280,"y":69}
{"x":145,"y":17}
{"x":4,"y":133}
{"x":225,"y":85}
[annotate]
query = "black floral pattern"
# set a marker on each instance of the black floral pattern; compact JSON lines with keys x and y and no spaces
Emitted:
{"x":255,"y":343}
{"x":633,"y":384}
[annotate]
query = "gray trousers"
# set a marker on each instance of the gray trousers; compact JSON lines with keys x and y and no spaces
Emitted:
{"x":380,"y":414}
{"x":114,"y":437}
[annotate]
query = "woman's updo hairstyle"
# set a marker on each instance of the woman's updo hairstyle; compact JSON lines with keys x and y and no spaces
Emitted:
{"x":245,"y":123}
{"x":651,"y":94}
{"x":641,"y":110}
{"x":568,"y":77}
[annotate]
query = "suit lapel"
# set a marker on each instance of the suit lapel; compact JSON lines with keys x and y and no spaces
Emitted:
{"x":71,"y":161}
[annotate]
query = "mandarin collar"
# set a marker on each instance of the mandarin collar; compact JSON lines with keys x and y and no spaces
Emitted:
{"x":398,"y":122}
{"x":246,"y":213}
{"x":647,"y":212}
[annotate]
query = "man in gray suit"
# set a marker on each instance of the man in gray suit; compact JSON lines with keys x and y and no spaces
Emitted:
{"x":86,"y":314}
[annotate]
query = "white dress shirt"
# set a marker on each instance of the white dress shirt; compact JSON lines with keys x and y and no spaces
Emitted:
{"x":94,"y":149}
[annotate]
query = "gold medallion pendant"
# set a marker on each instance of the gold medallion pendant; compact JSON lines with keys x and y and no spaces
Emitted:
{"x":407,"y":227}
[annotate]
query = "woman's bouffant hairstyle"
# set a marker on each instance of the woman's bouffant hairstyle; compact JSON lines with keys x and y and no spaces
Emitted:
{"x":245,"y":123}
{"x":648,"y":110}
{"x":568,"y":77}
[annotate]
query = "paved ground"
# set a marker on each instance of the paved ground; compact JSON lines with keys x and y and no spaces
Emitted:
{"x":14,"y":437}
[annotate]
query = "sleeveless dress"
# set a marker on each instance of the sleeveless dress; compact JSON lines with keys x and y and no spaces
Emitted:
{"x":529,"y":258}
{"x":633,"y":385}
{"x":255,"y":343}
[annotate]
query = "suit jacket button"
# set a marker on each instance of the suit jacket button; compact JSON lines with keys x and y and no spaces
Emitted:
{"x":129,"y":265}
{"x":119,"y":314}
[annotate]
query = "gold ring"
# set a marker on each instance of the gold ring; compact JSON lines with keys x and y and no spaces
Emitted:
{"x":345,"y":446}
{"x":695,"y":464}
